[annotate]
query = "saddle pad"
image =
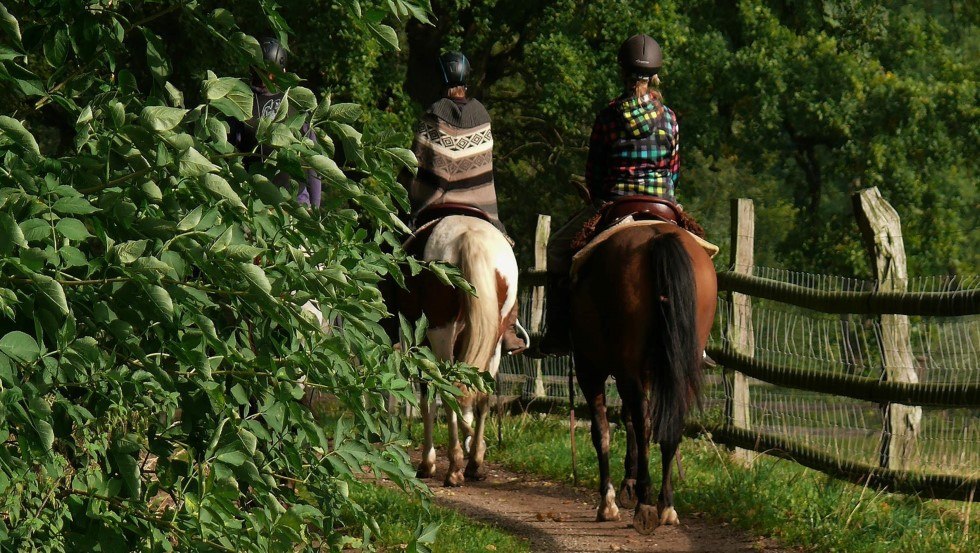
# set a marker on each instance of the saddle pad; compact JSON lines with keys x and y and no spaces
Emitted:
{"x":579,"y":258}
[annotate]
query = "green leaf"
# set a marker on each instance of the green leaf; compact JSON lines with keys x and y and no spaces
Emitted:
{"x":72,"y":229}
{"x":231,"y":96}
{"x":56,"y":48}
{"x":152,"y":191}
{"x":52,"y":291}
{"x":405,"y":157}
{"x":233,"y":458}
{"x":328,"y":169}
{"x":72,"y":256}
{"x":256,"y":275}
{"x":220,"y":187}
{"x":130,"y":471}
{"x":9,"y":24}
{"x":344,"y":113}
{"x":302,"y":98}
{"x":130,"y":251}
{"x":20,"y":347}
{"x":161,"y":299}
{"x":14,"y":131}
{"x":35,"y":229}
{"x":193,"y":164}
{"x":74,"y":206}
{"x":159,"y":66}
{"x":45,"y":433}
{"x":10,"y":234}
{"x":162,"y":118}
{"x":191,"y":219}
{"x":386,"y":34}
{"x":243,"y":252}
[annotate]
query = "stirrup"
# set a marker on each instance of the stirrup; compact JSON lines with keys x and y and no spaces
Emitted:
{"x":527,"y":338}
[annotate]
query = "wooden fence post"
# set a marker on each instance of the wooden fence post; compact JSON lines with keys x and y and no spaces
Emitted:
{"x":881,"y":228}
{"x":541,"y":236}
{"x":740,"y":332}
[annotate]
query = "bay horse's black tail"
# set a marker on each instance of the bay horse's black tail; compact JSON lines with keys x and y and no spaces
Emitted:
{"x":675,"y":354}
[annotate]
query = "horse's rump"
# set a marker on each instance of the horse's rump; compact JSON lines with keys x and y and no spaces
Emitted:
{"x":643,"y":306}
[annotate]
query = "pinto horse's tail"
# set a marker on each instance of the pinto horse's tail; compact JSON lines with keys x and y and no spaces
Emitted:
{"x":481,"y":313}
{"x":675,"y":352}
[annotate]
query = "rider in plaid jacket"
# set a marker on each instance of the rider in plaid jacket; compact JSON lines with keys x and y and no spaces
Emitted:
{"x":634,"y":150}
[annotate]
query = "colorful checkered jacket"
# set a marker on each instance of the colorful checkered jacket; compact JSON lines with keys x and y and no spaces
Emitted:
{"x":634,"y":150}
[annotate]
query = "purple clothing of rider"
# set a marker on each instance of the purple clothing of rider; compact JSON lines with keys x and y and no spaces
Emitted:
{"x":266,"y":104}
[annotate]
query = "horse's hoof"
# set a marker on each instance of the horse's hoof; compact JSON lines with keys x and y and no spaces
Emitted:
{"x":607,"y":514}
{"x":669,"y":517}
{"x":627,"y":495}
{"x":475,"y":473}
{"x":454,"y":479}
{"x":645,"y":519}
{"x":425,"y":470}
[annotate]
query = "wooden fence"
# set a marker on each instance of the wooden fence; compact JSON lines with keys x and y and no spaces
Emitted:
{"x":897,"y":389}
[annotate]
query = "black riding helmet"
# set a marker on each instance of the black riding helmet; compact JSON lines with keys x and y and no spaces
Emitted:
{"x":640,"y":55}
{"x":454,"y":69}
{"x":273,"y":52}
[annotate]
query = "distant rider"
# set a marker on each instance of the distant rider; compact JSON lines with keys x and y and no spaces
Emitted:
{"x":265,"y":105}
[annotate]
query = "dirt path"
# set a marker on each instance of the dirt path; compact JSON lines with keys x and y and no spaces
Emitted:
{"x":555,"y":518}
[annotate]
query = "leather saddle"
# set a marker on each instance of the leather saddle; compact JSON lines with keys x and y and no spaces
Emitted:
{"x":426,"y":220}
{"x":641,"y":208}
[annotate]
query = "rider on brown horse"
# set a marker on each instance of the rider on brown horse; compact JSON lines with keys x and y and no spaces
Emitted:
{"x":454,"y":147}
{"x":634,"y":150}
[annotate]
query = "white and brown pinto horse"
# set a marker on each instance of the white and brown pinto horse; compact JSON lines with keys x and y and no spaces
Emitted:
{"x":463,"y":327}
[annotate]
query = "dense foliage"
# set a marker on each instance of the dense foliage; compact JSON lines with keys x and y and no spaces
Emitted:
{"x":793,"y":104}
{"x":154,"y":346}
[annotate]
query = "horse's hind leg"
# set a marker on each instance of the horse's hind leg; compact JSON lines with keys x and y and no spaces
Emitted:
{"x":593,"y":388}
{"x":665,"y":502}
{"x":478,"y":446}
{"x":627,"y":491}
{"x":427,"y":466}
{"x":454,"y":476}
{"x":645,"y":519}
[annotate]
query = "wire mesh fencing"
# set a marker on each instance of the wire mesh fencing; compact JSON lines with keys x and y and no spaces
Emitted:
{"x":944,"y":353}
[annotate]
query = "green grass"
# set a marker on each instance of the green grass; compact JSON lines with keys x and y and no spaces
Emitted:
{"x":774,"y":498}
{"x":398,"y":515}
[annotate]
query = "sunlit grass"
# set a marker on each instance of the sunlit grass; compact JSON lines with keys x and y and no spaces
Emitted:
{"x":398,"y":516}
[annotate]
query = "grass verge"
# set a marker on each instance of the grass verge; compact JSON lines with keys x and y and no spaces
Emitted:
{"x":399,"y":515}
{"x":775,"y":498}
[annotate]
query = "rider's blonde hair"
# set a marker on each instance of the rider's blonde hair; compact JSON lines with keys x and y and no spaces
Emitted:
{"x":638,"y":86}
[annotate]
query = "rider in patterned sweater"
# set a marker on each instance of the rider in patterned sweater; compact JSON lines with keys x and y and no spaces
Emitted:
{"x":634,"y":150}
{"x":454,"y":147}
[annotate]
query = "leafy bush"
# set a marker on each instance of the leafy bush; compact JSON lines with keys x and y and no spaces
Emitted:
{"x":154,"y":347}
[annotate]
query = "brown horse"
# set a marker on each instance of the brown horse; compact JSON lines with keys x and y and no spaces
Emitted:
{"x":643,"y":306}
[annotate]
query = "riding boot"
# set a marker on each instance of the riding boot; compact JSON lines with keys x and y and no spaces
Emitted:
{"x":557,"y":338}
{"x":512,"y":344}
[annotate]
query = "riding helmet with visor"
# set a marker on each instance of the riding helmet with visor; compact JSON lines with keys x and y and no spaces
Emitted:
{"x":454,"y":69}
{"x":640,"y":55}
{"x":273,"y":52}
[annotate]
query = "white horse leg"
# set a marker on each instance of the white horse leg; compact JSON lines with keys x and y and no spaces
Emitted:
{"x":479,"y":445}
{"x":427,"y":467}
{"x":454,"y":476}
